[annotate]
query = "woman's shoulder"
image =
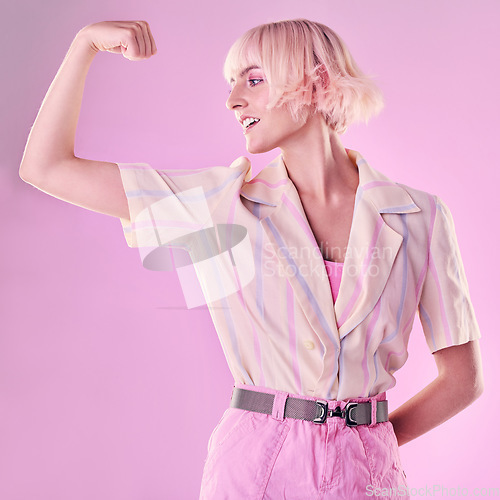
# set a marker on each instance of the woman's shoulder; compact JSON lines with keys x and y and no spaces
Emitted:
{"x":425,"y":200}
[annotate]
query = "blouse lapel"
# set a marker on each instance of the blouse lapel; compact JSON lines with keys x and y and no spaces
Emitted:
{"x":373,"y":244}
{"x":293,"y":242}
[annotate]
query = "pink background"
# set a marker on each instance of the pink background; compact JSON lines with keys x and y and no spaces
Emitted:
{"x":109,"y":386}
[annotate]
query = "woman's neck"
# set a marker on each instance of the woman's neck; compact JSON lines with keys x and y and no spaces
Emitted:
{"x":318,"y":164}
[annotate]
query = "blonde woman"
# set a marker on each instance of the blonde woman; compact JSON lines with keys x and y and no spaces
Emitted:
{"x":313,"y":270}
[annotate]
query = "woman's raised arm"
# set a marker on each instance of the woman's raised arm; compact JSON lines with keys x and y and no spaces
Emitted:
{"x":49,"y":162}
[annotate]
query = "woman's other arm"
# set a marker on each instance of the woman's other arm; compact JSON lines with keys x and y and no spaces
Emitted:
{"x":458,"y":384}
{"x":49,"y":162}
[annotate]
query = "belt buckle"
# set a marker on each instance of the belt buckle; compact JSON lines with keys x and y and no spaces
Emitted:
{"x":321,"y":412}
{"x":348,"y":418}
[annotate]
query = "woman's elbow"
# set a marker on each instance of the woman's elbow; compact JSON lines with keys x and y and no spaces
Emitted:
{"x":27,"y":174}
{"x":471,"y":387}
{"x":477,"y":386}
{"x":461,"y":367}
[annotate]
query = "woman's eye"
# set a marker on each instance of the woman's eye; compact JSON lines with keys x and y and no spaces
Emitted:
{"x":255,"y":81}
{"x":252,"y":81}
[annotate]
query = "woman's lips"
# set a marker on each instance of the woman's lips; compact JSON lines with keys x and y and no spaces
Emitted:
{"x":245,"y":131}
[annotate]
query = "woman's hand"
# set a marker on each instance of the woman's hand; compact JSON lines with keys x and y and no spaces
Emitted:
{"x":133,"y":39}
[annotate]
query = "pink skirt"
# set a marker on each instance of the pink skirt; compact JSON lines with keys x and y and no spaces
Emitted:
{"x":257,"y":456}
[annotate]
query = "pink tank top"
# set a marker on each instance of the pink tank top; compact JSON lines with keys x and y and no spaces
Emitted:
{"x":334,"y":272}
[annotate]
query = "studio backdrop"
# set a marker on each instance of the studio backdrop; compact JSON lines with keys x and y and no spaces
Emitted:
{"x":110,"y":385}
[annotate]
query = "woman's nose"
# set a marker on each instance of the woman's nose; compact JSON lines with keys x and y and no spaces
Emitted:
{"x":235,"y":98}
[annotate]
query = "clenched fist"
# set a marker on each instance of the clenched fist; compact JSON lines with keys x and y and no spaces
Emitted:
{"x":133,"y":39}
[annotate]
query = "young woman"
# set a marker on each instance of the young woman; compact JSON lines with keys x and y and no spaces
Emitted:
{"x":313,"y":270}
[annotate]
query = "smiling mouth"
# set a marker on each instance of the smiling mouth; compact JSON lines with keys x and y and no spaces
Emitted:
{"x":250,"y":123}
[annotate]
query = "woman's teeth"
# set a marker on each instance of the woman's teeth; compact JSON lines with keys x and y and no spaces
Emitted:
{"x":249,"y":121}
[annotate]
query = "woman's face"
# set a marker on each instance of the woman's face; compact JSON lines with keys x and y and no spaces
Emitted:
{"x":273,"y":128}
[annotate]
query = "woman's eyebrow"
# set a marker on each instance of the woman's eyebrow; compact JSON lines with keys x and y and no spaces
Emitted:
{"x":245,"y":71}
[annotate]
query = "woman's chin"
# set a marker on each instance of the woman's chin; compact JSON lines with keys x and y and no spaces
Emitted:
{"x":256,"y":149}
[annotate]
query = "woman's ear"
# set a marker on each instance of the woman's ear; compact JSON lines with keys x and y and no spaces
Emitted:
{"x":323,"y":76}
{"x":322,"y":81}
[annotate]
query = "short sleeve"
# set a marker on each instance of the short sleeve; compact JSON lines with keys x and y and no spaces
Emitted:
{"x":445,"y":308}
{"x":167,"y":205}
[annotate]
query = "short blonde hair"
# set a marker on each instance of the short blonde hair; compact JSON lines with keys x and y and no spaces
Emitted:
{"x":308,"y":66}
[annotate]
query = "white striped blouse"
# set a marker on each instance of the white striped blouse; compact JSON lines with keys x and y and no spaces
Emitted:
{"x":244,"y":247}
